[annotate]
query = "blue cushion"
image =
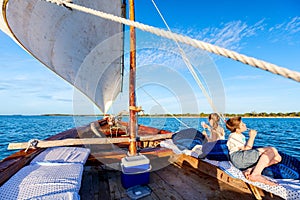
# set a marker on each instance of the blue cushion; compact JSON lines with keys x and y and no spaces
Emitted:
{"x":188,"y":138}
{"x":216,"y":150}
{"x":288,"y":168}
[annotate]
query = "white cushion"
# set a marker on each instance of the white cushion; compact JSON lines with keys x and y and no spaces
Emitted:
{"x":44,"y":182}
{"x":63,"y":155}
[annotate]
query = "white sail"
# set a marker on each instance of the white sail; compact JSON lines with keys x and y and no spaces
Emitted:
{"x":84,"y":50}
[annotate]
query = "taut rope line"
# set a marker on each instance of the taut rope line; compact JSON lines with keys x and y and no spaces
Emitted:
{"x":191,"y":69}
{"x":294,"y":75}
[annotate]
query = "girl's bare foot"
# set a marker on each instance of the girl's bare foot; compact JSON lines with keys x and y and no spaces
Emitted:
{"x":247,"y":172}
{"x":261,"y":179}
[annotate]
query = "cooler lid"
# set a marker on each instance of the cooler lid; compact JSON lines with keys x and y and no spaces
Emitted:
{"x":129,"y":161}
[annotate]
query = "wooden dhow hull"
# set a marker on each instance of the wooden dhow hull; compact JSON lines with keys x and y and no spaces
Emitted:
{"x":172,"y":176}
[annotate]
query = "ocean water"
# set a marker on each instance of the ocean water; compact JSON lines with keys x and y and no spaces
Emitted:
{"x":282,"y":133}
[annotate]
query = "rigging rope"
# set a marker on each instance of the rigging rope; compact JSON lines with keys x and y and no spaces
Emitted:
{"x":191,"y":68}
{"x":176,"y":118}
{"x":294,"y":75}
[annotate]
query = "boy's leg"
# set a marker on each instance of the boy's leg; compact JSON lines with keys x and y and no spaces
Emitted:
{"x":272,"y":154}
{"x":247,"y":172}
{"x":266,"y":159}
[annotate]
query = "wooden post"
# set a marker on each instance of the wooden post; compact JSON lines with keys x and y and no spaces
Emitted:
{"x":132,"y":82}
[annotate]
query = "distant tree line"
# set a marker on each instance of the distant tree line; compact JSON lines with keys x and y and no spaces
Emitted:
{"x":264,"y":114}
{"x":250,"y":114}
{"x":203,"y":115}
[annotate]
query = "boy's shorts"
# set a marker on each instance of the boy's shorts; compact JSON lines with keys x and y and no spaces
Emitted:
{"x":245,"y":158}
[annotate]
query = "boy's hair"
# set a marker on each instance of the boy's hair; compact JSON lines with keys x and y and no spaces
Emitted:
{"x":233,"y":123}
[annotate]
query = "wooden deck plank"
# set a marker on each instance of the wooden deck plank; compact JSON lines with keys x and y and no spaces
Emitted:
{"x":161,"y":189}
{"x":192,"y":184}
{"x":103,"y":186}
{"x":85,"y":191}
{"x":95,"y":183}
{"x":169,"y":183}
{"x":181,"y":181}
{"x":116,"y":189}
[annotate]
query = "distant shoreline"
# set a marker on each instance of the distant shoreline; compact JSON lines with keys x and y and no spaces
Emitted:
{"x":205,"y":115}
{"x":201,"y":115}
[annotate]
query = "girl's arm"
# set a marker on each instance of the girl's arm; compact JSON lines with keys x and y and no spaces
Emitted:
{"x":222,"y":132}
{"x":206,"y":136}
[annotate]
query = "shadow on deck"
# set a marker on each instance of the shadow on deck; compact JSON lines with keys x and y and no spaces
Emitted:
{"x":171,"y":182}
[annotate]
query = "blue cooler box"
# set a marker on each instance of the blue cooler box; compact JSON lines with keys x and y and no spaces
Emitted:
{"x":135,"y":171}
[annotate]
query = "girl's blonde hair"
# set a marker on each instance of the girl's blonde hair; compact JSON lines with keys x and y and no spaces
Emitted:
{"x":214,"y":120}
{"x":217,"y":132}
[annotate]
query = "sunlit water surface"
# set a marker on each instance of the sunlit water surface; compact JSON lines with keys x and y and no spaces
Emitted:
{"x":282,"y":133}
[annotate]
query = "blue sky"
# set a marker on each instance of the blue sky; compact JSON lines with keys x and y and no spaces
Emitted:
{"x":267,"y":30}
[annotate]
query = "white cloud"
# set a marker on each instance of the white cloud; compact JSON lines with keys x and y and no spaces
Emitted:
{"x":293,"y":26}
{"x":20,"y":77}
{"x":229,"y":35}
{"x":286,"y":31}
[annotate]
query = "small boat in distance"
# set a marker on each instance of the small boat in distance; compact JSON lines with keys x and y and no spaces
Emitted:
{"x":70,"y":39}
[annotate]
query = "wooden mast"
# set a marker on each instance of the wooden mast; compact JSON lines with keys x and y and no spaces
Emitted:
{"x":132,"y":83}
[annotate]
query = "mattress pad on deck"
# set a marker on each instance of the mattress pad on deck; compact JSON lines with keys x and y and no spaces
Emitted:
{"x":44,"y":182}
{"x":55,"y":173}
{"x":63,"y":155}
